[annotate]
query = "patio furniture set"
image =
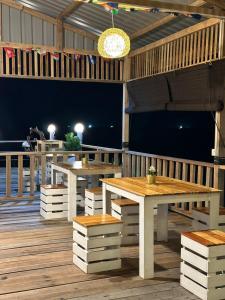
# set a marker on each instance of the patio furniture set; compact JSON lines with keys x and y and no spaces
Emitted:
{"x":121,"y":212}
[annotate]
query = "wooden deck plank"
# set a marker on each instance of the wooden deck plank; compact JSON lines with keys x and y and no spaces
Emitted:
{"x":36,"y":262}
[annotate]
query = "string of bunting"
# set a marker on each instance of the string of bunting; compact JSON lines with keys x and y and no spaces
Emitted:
{"x":115,"y":7}
{"x":10,"y":52}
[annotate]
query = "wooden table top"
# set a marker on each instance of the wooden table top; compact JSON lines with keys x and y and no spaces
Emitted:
{"x":207,"y":238}
{"x":89,"y":221}
{"x":163,"y":186}
{"x":78,"y":165}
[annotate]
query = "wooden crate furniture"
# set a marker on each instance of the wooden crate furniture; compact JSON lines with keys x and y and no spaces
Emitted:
{"x":54,"y":201}
{"x":81,"y":186}
{"x":93,"y":201}
{"x":203,"y":264}
{"x":127,"y":211}
{"x":96,"y":243}
{"x":26,"y":180}
{"x":201,"y":218}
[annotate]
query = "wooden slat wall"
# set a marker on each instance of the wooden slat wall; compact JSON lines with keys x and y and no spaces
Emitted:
{"x":191,"y":49}
{"x":188,"y":170}
{"x":69,"y":66}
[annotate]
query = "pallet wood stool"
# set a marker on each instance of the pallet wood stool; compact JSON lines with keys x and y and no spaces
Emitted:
{"x":54,"y":201}
{"x":27,"y":179}
{"x":203,"y":264}
{"x":94,"y":201}
{"x":97,"y":242}
{"x":127,"y":211}
{"x":201,"y":218}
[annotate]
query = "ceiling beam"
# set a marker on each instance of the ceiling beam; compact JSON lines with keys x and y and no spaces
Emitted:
{"x":175,"y":7}
{"x":151,"y":27}
{"x":69,"y":9}
{"x":217,"y":3}
{"x":160,"y":22}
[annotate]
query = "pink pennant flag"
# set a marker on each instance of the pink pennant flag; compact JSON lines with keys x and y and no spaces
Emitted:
{"x":10,"y":52}
{"x":55,"y":56}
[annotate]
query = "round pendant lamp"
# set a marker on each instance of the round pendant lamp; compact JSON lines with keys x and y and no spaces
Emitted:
{"x":114,"y":43}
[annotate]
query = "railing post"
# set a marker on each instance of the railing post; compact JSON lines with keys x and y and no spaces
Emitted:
{"x":8,"y":176}
{"x":222,"y":40}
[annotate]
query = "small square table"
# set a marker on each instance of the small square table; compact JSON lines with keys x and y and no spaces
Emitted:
{"x":75,"y":169}
{"x":165,"y":191}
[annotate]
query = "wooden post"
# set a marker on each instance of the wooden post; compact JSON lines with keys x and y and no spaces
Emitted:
{"x":59,"y":35}
{"x":219,"y":152}
{"x":126,"y":117}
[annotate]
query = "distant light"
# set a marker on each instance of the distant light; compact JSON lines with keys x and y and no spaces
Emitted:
{"x":79,"y":128}
{"x":180,"y":127}
{"x":51,"y":128}
{"x":111,"y":126}
{"x":90,"y":126}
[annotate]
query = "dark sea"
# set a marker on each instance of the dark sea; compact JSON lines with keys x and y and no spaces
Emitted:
{"x":30,"y":103}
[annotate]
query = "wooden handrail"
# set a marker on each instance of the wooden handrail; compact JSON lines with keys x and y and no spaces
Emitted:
{"x":175,"y":159}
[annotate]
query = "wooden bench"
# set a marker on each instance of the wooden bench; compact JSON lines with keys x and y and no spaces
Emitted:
{"x":203,"y":264}
{"x":54,"y":201}
{"x":94,"y":201}
{"x":97,"y":242}
{"x":201,"y":218}
{"x":127,"y":211}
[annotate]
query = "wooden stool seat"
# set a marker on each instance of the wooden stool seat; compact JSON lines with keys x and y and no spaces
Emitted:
{"x":89,"y":221}
{"x":93,"y":201}
{"x":97,"y":242}
{"x":95,"y":190}
{"x":207,"y":238}
{"x":203,"y":263}
{"x":125,"y":202}
{"x":54,"y":186}
{"x":205,"y":210}
{"x":201,"y":218}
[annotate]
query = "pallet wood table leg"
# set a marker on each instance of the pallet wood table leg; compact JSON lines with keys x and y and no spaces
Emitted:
{"x":72,"y":196}
{"x":162,"y":223}
{"x":106,"y":197}
{"x":214,"y":205}
{"x":146,"y":239}
{"x":53,"y":176}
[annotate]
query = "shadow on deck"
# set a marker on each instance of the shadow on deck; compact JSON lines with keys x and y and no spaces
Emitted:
{"x":36,"y":262}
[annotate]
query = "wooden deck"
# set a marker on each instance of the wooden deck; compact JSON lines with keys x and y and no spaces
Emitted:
{"x":36,"y":262}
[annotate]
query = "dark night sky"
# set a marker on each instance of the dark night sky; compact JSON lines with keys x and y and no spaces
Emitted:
{"x":26,"y":103}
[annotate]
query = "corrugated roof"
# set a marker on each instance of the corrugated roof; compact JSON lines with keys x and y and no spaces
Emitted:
{"x":96,"y":19}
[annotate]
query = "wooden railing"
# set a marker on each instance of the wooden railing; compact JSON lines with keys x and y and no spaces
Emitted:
{"x":37,"y":164}
{"x":197,"y":44}
{"x":69,"y":64}
{"x":13,"y":164}
{"x":137,"y":164}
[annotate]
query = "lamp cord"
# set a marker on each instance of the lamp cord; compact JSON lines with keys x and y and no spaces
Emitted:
{"x":113,"y":20}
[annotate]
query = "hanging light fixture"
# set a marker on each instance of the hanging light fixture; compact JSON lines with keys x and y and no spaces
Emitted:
{"x":113,"y":43}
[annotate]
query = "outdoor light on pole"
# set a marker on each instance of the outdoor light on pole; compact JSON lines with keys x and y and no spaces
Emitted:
{"x":51,"y":129}
{"x":79,"y":129}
